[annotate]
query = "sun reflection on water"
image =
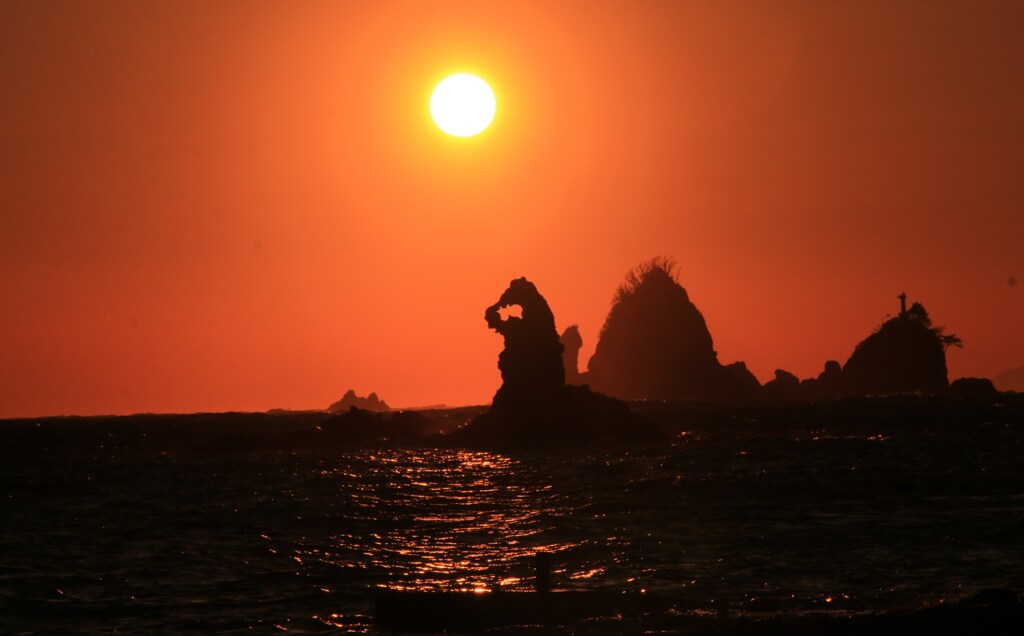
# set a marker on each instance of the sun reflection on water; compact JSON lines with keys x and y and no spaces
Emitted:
{"x":451,"y":520}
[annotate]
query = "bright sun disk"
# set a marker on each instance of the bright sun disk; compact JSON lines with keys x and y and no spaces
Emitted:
{"x":462,"y":105}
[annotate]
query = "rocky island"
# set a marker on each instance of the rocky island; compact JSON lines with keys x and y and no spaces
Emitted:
{"x":535,"y":408}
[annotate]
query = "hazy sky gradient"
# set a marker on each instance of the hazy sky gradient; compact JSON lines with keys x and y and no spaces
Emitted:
{"x":240,"y":206}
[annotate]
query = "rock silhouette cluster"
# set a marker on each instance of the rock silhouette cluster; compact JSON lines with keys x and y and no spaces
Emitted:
{"x":906,"y":354}
{"x":655,"y":345}
{"x":369,"y":403}
{"x":534,"y":407}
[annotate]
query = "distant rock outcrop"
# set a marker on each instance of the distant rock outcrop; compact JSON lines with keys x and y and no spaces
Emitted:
{"x":739,"y":382}
{"x":534,"y":407}
{"x":828,"y":383}
{"x":655,"y":345}
{"x":973,"y":388}
{"x":350,"y":399}
{"x":905,"y":355}
{"x":785,"y":386}
{"x":1012,"y":380}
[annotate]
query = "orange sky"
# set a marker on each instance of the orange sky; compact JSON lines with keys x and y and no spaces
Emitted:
{"x":240,"y":206}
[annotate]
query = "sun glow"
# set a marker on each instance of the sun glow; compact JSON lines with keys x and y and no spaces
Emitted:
{"x":463,"y":105}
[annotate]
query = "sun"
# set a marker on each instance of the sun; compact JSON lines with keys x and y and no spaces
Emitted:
{"x":463,"y":105}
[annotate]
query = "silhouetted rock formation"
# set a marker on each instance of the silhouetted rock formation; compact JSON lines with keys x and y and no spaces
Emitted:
{"x":973,"y":388}
{"x":785,"y":386}
{"x":905,"y":355}
{"x":572,"y":342}
{"x":532,"y":374}
{"x":1012,"y":380}
{"x":655,"y":345}
{"x":534,"y":407}
{"x":579,"y":417}
{"x":739,"y":382}
{"x":828,"y":383}
{"x":350,"y":399}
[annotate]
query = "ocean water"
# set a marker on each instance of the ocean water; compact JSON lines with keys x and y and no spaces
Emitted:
{"x":129,"y":526}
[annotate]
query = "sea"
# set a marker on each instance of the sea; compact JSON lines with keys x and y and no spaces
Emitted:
{"x":169,"y":524}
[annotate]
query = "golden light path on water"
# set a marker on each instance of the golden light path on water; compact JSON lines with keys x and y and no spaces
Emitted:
{"x":728,"y":522}
{"x":786,"y":516}
{"x":453,"y":520}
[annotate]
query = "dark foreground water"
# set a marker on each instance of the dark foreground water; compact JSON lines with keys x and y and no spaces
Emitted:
{"x":104,"y":530}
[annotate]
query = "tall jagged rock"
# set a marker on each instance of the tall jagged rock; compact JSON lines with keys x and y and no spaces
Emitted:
{"x":534,"y":408}
{"x":655,"y":345}
{"x":532,"y":373}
